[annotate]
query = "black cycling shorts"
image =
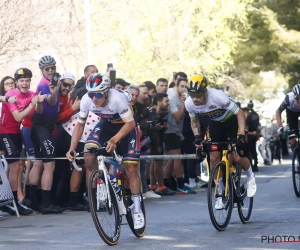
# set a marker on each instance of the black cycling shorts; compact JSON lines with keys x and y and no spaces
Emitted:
{"x":43,"y":140}
{"x":129,"y":146}
{"x":292,"y":121}
{"x":222,"y":132}
{"x":12,"y":146}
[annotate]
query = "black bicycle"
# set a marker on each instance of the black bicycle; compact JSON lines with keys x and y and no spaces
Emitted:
{"x":295,"y":164}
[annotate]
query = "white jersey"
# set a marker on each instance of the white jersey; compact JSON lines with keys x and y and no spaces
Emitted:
{"x":289,"y":103}
{"x":219,"y":106}
{"x":117,"y":110}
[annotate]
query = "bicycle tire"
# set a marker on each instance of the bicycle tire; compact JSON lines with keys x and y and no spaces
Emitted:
{"x":242,"y":182}
{"x":111,"y":238}
{"x":139,"y":233}
{"x":220,"y":226}
{"x":296,"y":172}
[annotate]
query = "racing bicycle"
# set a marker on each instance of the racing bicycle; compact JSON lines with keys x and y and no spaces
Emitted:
{"x":110,"y":199}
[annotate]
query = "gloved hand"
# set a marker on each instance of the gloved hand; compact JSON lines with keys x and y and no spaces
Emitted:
{"x":280,"y":130}
{"x":198,"y":140}
{"x":240,"y":145}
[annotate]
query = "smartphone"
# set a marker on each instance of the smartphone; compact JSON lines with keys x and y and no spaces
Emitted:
{"x":112,"y":76}
{"x":227,"y":88}
{"x":110,"y":65}
{"x":54,"y":79}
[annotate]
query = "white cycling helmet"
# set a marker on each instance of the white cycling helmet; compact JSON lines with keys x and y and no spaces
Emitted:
{"x":46,"y":61}
{"x":296,"y":90}
{"x":97,"y":83}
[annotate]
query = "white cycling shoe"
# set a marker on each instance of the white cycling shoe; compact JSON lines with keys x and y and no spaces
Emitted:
{"x":138,"y":220}
{"x":219,"y":205}
{"x":251,"y":187}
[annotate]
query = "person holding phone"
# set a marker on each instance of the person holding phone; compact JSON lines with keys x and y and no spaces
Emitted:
{"x":42,"y":138}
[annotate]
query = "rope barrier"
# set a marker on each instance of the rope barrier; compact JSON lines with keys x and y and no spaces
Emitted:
{"x":143,"y":157}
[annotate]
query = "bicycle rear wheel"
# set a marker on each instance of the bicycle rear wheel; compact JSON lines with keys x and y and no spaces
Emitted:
{"x":296,"y":172}
{"x":128,"y":202}
{"x":219,"y":218}
{"x":245,"y":203}
{"x":106,"y":219}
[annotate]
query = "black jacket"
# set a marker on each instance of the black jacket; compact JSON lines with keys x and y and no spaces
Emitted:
{"x":80,"y":83}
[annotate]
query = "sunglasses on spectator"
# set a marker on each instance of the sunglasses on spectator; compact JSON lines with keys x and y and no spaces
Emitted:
{"x":297,"y":97}
{"x":98,"y":95}
{"x":196,"y":95}
{"x":9,"y":84}
{"x":142,"y":85}
{"x":48,"y":68}
{"x":67,"y":85}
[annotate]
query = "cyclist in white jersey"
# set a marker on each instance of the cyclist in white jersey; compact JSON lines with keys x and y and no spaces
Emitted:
{"x":116,"y":125}
{"x":227,"y":122}
{"x":291,"y":104}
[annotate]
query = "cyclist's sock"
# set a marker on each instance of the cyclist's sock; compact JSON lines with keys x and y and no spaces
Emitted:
{"x":46,"y":195}
{"x":249,"y":173}
{"x":137,"y":203}
{"x":221,"y":185}
{"x":180,"y":182}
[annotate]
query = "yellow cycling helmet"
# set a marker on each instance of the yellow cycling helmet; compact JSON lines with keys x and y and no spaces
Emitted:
{"x":198,"y":83}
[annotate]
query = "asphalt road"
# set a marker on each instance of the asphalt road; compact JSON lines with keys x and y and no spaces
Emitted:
{"x":177,"y":222}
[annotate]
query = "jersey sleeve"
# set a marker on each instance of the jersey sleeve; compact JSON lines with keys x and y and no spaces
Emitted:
{"x":84,"y":109}
{"x":189,"y":108}
{"x":226,"y":102}
{"x":285,"y":103}
{"x":11,"y":106}
{"x":123,"y":108}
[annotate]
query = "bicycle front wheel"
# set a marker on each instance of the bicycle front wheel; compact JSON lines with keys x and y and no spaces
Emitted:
{"x":106,"y":218}
{"x":296,"y":172}
{"x":219,"y":206}
{"x":128,"y":202}
{"x":245,"y":203}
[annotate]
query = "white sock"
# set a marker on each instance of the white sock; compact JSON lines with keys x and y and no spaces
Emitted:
{"x":221,"y":185}
{"x":137,"y":203}
{"x":192,"y":182}
{"x":249,"y":173}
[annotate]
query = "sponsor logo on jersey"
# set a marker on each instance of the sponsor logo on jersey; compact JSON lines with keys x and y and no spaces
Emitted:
{"x":95,"y":136}
{"x":212,"y":107}
{"x":110,"y":110}
{"x":214,"y":113}
{"x":227,"y":104}
{"x":131,"y":152}
{"x":214,"y":147}
{"x":123,"y":111}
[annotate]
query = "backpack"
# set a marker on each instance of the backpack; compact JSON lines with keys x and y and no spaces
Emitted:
{"x":253,"y":121}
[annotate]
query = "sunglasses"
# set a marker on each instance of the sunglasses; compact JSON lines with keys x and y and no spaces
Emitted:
{"x":98,"y":95}
{"x":297,"y":97}
{"x":48,"y":68}
{"x":9,"y":84}
{"x":67,"y":85}
{"x":196,"y":95}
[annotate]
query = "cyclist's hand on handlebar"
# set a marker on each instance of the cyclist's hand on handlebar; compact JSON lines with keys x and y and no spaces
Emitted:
{"x":240,"y":145}
{"x":111,"y":146}
{"x":280,"y":130}
{"x":198,"y":141}
{"x":71,"y":155}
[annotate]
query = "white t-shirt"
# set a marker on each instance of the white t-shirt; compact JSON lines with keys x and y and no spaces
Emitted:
{"x":219,"y":106}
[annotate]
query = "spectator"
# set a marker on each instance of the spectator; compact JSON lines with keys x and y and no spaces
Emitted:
{"x":161,"y":85}
{"x":88,"y":70}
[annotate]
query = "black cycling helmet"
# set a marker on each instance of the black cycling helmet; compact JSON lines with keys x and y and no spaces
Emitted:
{"x":198,"y":83}
{"x":22,"y":73}
{"x":46,"y":61}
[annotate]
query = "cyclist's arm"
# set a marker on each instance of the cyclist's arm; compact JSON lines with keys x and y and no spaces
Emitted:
{"x":195,"y":125}
{"x":77,"y":134}
{"x":281,"y":108}
{"x":241,"y":121}
{"x":125,"y":130}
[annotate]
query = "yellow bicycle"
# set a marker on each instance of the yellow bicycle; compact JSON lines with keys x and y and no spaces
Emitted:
{"x":227,"y":186}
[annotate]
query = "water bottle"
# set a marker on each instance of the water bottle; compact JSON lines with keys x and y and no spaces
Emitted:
{"x":101,"y":191}
{"x":114,"y":183}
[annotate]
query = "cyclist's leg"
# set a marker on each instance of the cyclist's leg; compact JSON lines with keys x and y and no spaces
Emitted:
{"x":292,"y":121}
{"x":100,"y":134}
